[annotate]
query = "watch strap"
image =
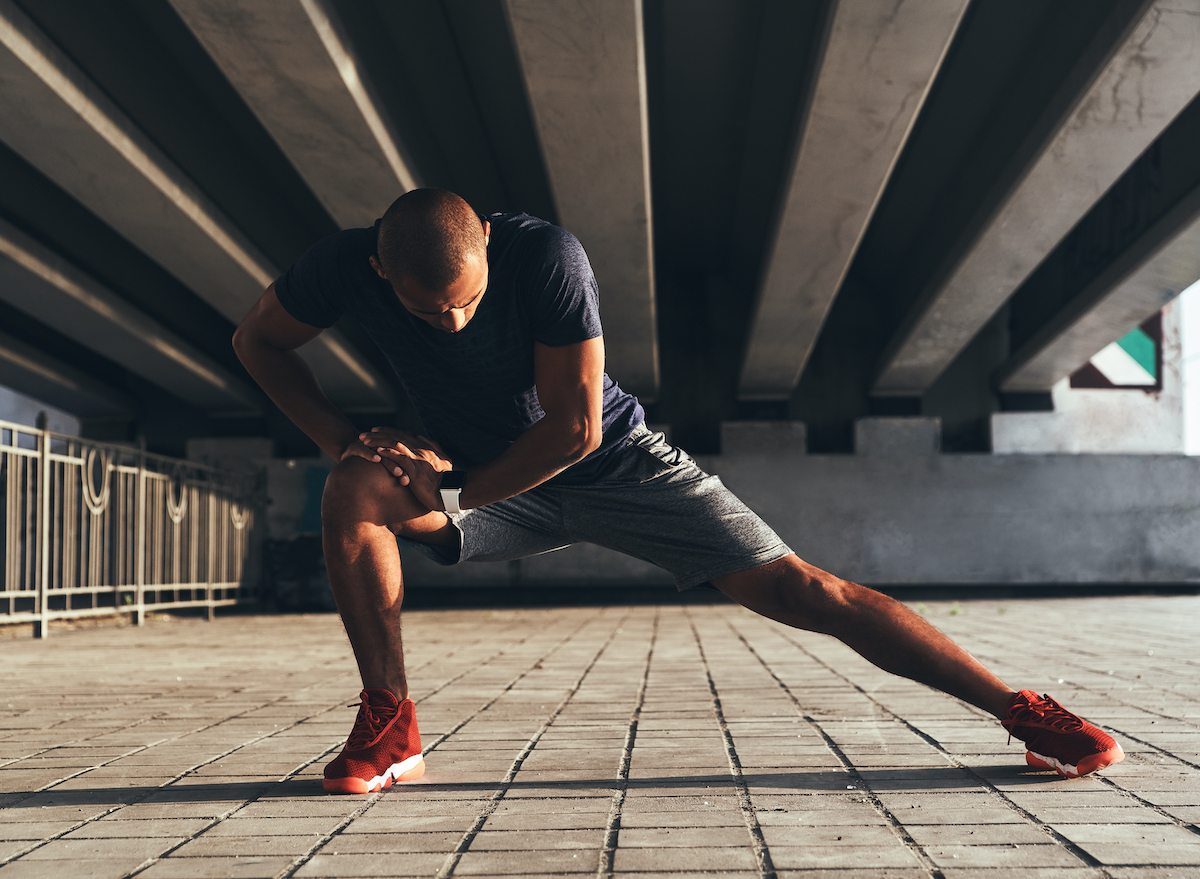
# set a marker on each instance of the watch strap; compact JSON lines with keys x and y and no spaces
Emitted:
{"x":450,"y":490}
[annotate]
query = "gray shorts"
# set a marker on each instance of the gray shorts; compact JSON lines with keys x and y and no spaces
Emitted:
{"x":652,"y":502}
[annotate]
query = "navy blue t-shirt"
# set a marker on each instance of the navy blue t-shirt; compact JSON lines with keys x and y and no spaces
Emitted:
{"x":473,"y":389}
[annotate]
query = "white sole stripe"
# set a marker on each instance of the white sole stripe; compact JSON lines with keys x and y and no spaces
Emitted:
{"x":403,"y":766}
{"x":395,"y":771}
{"x":1072,"y":771}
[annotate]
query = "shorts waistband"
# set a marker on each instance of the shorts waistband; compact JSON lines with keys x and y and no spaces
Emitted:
{"x":639,"y":431}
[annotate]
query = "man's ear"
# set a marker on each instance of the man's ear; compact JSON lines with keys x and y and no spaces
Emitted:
{"x":487,"y":232}
{"x":377,"y":267}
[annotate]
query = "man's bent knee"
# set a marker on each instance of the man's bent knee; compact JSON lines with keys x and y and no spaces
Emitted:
{"x":358,"y":490}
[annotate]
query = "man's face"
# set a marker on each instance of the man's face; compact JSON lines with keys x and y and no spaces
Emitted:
{"x":448,"y":310}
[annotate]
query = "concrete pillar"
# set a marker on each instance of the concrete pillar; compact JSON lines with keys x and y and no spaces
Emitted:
{"x":1153,"y":75}
{"x":879,"y":62}
{"x":293,"y":65}
{"x":47,"y":287}
{"x":584,"y":66}
{"x":62,"y":123}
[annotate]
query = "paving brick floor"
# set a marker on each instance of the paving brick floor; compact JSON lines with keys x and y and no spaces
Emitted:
{"x":623,"y":740}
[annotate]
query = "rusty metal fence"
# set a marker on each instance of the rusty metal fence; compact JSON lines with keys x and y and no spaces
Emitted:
{"x":90,"y":528}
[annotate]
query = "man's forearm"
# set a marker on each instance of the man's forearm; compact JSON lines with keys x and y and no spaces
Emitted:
{"x":291,"y":385}
{"x":569,"y":381}
{"x":546,"y":449}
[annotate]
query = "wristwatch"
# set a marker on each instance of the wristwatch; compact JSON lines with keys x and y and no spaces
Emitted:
{"x":450,"y":488}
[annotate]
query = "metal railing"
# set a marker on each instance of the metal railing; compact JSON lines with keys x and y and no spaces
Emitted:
{"x":90,"y":528}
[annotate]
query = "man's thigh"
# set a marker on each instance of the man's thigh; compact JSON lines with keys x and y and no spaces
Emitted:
{"x":656,"y":504}
{"x":526,"y":525}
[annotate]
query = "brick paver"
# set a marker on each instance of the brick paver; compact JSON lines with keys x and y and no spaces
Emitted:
{"x":621,"y":740}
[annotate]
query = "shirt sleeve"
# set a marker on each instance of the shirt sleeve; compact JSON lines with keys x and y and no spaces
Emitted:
{"x":565,"y":300}
{"x":310,"y":290}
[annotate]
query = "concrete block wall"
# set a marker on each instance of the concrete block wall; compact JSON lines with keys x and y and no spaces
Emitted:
{"x":897,"y":512}
{"x":897,"y":437}
{"x":984,"y":519}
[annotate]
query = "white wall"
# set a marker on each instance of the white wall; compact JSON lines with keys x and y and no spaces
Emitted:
{"x":1100,"y":421}
{"x":1189,"y":321}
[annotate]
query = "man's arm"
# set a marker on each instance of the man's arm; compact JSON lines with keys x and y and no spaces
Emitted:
{"x":265,"y":342}
{"x":570,"y":388}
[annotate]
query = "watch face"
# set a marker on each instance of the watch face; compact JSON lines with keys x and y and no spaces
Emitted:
{"x":453,"y":479}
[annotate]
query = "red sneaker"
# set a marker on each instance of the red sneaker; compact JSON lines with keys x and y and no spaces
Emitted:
{"x":1057,"y":739}
{"x":383,"y":746}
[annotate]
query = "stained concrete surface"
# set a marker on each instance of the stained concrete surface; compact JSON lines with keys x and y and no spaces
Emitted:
{"x":647,"y":741}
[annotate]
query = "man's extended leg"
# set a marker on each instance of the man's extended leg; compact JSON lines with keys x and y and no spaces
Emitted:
{"x":894,"y":638}
{"x":877,"y":627}
{"x":362,"y":512}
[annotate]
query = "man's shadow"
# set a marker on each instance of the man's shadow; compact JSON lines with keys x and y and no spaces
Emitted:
{"x":931,"y":780}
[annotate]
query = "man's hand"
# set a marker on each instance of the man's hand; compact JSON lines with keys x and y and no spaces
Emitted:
{"x":400,"y":444}
{"x":416,"y":461}
{"x":359,"y":449}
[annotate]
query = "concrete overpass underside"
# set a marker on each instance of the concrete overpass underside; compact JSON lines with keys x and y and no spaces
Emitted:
{"x":806,"y":212}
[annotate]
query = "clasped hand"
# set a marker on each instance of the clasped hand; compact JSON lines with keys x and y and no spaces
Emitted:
{"x":414,"y":460}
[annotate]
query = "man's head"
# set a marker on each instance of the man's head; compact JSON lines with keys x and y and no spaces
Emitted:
{"x":433,"y":251}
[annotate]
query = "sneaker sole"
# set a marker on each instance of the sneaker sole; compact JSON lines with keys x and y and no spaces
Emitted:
{"x":407,"y":770}
{"x":1086,"y":766}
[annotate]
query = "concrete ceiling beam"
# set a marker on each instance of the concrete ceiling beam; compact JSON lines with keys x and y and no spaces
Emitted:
{"x":62,"y":123}
{"x":293,"y":65}
{"x":1150,"y":77}
{"x":878,"y":64}
{"x":35,"y":374}
{"x":585,"y":70}
{"x":1162,"y":277}
{"x":50,"y":289}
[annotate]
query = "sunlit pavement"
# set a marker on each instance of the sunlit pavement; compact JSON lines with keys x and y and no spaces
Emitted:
{"x":618,"y":740}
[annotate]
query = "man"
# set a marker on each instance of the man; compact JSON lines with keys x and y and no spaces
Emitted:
{"x":493,"y":326}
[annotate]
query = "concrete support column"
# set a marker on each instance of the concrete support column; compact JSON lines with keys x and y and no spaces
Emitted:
{"x":584,"y":66}
{"x":1151,"y":75}
{"x":880,"y":60}
{"x":62,"y":123}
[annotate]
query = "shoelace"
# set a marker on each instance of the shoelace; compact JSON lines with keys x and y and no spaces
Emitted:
{"x":1045,"y":712}
{"x":367,"y":725}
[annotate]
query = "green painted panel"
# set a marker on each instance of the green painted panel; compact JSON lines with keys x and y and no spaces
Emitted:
{"x":1140,"y":347}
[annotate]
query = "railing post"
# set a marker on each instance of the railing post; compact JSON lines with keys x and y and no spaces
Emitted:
{"x":139,"y":613}
{"x":41,"y":628}
{"x":210,"y":561}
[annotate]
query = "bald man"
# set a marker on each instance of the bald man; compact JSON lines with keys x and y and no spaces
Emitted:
{"x":493,"y":326}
